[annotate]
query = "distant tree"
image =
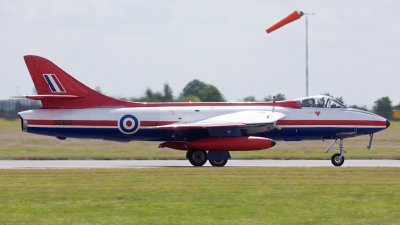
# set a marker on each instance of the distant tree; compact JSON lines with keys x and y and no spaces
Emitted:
{"x":150,"y":96}
{"x":204,"y":92}
{"x":98,"y":89}
{"x":168,"y":97}
{"x":190,"y":98}
{"x":154,"y":96}
{"x":193,"y":88}
{"x":268,"y":98}
{"x":278,"y":97}
{"x":249,"y":99}
{"x":211,"y":94}
{"x":339,"y":99}
{"x":383,"y":107}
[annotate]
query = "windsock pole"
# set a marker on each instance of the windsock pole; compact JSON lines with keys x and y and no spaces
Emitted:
{"x":306,"y":55}
{"x":307,"y":50}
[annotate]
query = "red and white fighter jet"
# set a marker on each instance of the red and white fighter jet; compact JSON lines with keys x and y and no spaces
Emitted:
{"x":205,"y":130}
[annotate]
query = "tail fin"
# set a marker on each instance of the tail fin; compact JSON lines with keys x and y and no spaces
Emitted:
{"x":58,"y":89}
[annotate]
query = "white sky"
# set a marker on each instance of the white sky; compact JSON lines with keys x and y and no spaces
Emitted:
{"x":126,"y":46}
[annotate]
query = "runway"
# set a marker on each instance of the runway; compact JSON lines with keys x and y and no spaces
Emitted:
{"x":115,"y":164}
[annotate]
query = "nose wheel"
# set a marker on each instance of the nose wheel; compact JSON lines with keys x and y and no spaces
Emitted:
{"x":337,"y":159}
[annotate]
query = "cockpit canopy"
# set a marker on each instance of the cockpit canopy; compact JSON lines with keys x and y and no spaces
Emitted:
{"x":320,"y":101}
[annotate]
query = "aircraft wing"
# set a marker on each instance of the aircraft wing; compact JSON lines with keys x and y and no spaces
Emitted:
{"x":231,"y":120}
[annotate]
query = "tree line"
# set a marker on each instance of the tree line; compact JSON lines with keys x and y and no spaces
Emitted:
{"x":199,"y":91}
{"x":194,"y":91}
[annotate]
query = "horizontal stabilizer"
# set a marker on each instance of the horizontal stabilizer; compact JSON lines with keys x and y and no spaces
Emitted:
{"x":40,"y":97}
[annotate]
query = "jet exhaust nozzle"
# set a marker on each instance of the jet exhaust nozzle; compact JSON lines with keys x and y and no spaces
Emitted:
{"x":24,"y":125}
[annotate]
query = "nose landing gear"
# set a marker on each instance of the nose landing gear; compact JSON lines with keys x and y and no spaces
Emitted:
{"x":337,"y":159}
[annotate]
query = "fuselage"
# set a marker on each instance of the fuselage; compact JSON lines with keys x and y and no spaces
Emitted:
{"x":305,"y":123}
{"x":205,"y":130}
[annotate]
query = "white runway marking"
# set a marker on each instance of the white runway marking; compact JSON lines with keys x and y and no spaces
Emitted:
{"x":112,"y":164}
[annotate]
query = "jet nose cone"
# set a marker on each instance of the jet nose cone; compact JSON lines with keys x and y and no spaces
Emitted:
{"x":273,"y":143}
{"x":387,"y":123}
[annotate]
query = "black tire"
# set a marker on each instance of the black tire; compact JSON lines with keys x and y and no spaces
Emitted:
{"x":218,"y":163}
{"x":336,"y":161}
{"x":197,"y":157}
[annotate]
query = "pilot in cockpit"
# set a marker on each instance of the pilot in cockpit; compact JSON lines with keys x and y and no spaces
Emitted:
{"x":320,"y":102}
{"x":308,"y":102}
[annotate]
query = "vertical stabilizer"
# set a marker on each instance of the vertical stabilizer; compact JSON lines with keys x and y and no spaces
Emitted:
{"x":58,"y":89}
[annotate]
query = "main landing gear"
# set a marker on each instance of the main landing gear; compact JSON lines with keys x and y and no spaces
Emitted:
{"x":218,"y":163}
{"x":337,"y":159}
{"x":199,"y":157}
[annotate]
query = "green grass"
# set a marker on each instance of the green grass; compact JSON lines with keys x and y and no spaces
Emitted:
{"x":18,"y":145}
{"x":395,"y":124}
{"x":201,"y":196}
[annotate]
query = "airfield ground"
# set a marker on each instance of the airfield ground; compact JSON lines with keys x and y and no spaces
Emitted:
{"x":201,"y":196}
{"x":18,"y":145}
{"x":190,"y":195}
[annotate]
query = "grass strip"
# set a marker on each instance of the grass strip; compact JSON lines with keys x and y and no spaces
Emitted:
{"x":201,"y":196}
{"x":18,"y":145}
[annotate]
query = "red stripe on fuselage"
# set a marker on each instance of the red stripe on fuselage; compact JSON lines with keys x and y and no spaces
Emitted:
{"x":75,"y":122}
{"x":331,"y":122}
{"x":95,"y":122}
{"x":161,"y":123}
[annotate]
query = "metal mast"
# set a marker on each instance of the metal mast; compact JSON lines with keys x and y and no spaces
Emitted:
{"x":306,"y":14}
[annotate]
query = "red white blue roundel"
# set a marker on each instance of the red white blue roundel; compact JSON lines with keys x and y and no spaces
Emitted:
{"x":128,"y":124}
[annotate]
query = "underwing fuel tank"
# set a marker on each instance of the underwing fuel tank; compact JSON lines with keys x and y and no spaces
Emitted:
{"x":232,"y":143}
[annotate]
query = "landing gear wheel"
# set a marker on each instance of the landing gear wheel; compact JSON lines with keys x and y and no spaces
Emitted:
{"x":218,"y":163}
{"x":197,"y":157}
{"x":336,"y":160}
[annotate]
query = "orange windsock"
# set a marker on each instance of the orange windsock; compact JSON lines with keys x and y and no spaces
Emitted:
{"x":292,"y":17}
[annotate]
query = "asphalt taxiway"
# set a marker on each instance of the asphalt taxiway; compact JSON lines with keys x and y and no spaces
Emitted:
{"x":114,"y":164}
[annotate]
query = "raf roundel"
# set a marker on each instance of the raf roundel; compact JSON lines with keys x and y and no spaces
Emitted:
{"x":128,"y":124}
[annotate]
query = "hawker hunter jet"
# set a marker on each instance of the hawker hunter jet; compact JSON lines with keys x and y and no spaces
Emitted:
{"x":204,"y":130}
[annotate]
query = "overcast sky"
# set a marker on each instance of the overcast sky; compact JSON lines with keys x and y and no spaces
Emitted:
{"x":126,"y":46}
